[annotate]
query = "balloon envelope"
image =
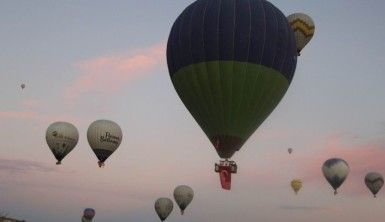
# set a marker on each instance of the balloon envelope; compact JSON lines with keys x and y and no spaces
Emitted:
{"x":22,"y":86}
{"x":296,"y":185}
{"x":61,"y":138}
{"x":335,"y":171}
{"x":89,"y":213}
{"x":374,"y":181}
{"x":231,"y":62}
{"x":303,"y":27}
{"x":290,"y":150}
{"x":163,"y":207}
{"x":183,"y":196}
{"x":104,"y":137}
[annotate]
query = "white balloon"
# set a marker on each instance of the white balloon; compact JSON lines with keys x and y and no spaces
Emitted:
{"x":303,"y":27}
{"x":163,"y":207}
{"x":104,"y":137}
{"x":61,"y":138}
{"x":183,"y":196}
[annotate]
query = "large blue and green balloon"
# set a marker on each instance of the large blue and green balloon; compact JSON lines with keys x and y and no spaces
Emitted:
{"x":231,"y":62}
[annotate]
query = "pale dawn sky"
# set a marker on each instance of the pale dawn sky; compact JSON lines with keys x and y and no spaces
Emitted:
{"x":88,"y":60}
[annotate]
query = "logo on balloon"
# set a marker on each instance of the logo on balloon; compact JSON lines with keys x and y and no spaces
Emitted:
{"x":60,"y":136}
{"x":109,"y":138}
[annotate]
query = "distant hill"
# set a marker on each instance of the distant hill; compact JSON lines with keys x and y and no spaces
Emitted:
{"x":6,"y":219}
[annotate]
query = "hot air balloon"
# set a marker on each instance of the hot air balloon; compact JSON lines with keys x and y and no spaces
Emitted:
{"x":163,"y":207}
{"x":335,"y":171}
{"x":290,"y":150}
{"x":231,"y":62}
{"x":374,"y":181}
{"x":22,"y":86}
{"x":183,"y":196}
{"x":88,"y":215}
{"x":296,"y":184}
{"x":61,"y":138}
{"x":303,"y":27}
{"x":104,"y":137}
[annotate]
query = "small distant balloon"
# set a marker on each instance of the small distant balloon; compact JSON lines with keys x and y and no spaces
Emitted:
{"x":88,"y":215}
{"x":290,"y":150}
{"x":296,"y":185}
{"x":303,"y":27}
{"x":335,"y":171}
{"x":374,"y":181}
{"x":22,"y":86}
{"x":183,"y":196}
{"x":163,"y":207}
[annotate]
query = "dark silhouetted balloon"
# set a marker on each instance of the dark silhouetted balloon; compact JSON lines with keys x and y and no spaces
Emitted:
{"x":374,"y":181}
{"x":335,"y":171}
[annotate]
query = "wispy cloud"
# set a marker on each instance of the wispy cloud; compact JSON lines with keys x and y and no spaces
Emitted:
{"x":26,"y":110}
{"x":31,"y":103}
{"x":18,"y":115}
{"x":362,"y":158}
{"x":109,"y":73}
{"x":306,"y":208}
{"x":23,"y":166}
{"x":42,"y":118}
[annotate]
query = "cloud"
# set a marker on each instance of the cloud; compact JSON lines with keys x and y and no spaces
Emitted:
{"x":306,"y":208}
{"x":109,"y":73}
{"x":362,"y":158}
{"x":31,"y":103}
{"x":43,"y":118}
{"x":18,"y":115}
{"x":27,"y":110}
{"x":23,"y":166}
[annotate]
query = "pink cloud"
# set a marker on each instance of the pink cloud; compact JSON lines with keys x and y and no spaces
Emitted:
{"x":18,"y":115}
{"x":362,"y":158}
{"x":41,"y":118}
{"x":109,"y":73}
{"x":23,"y":166}
{"x":31,"y":103}
{"x":306,"y":164}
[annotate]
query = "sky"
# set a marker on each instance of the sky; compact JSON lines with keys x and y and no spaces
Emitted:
{"x":88,"y":60}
